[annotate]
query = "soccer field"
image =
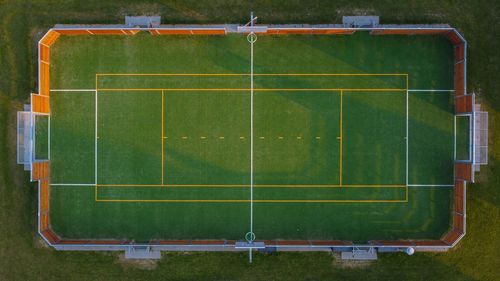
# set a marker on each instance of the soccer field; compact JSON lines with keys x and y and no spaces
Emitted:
{"x":297,"y":137}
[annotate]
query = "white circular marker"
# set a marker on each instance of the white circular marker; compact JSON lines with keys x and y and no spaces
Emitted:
{"x":409,"y":251}
{"x":250,"y":237}
{"x":252,"y":37}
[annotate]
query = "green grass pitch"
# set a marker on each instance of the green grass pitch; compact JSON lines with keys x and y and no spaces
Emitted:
{"x":171,"y":154}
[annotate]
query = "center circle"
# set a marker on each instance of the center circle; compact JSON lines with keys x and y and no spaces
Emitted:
{"x":250,"y":237}
{"x":252,"y":37}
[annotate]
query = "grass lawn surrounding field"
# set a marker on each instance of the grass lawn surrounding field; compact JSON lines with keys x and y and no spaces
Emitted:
{"x":23,"y":256}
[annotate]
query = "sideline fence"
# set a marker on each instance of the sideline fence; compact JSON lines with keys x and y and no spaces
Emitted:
{"x":409,"y":31}
{"x":188,"y":31}
{"x":41,"y":104}
{"x":40,"y":170}
{"x":326,"y":31}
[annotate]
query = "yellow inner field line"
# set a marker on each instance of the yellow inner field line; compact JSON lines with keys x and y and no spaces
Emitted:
{"x":256,"y":89}
{"x":248,"y":74}
{"x":246,"y":201}
{"x":261,"y":89}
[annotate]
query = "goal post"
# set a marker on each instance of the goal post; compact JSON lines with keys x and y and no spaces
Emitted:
{"x":480,"y":138}
{"x":33,"y":134}
{"x":24,"y":138}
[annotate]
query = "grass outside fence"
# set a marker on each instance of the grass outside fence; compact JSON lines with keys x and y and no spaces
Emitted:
{"x":23,"y":258}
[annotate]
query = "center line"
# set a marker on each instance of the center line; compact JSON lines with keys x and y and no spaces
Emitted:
{"x":251,"y":133}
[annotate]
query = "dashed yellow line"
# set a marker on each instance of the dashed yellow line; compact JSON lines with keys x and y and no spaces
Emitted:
{"x":242,"y":137}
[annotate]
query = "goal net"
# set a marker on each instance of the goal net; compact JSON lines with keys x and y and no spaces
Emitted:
{"x":24,"y":139}
{"x":480,"y":138}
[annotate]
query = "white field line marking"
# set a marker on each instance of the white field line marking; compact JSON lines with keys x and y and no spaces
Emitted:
{"x":407,"y":113}
{"x":72,"y":90}
{"x":47,"y":114}
{"x":31,"y":150}
{"x":454,"y":138}
{"x":95,"y":140}
{"x":73,"y":184}
{"x":48,"y":138}
{"x":429,"y":90}
{"x":431,"y":185}
{"x":251,"y":136}
{"x":33,"y":138}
